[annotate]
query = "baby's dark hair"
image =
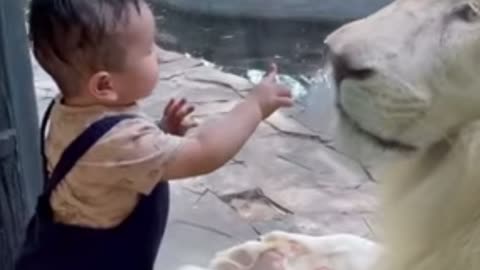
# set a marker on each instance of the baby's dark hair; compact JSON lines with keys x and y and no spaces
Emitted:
{"x":72,"y":37}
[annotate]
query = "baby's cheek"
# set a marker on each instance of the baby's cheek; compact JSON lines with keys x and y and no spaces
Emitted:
{"x":153,"y":73}
{"x":146,"y":78}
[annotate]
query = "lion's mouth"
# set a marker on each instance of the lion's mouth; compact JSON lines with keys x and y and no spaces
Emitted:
{"x":386,"y":143}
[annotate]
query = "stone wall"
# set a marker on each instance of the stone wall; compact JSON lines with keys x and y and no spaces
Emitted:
{"x":299,"y":10}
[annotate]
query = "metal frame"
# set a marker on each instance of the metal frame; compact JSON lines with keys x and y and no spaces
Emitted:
{"x":20,"y":164}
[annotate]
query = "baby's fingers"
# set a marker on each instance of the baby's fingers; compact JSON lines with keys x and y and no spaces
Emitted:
{"x":284,"y":102}
{"x":190,"y":123}
{"x":184,"y":112}
{"x":272,"y":74}
{"x":178,"y":106}
{"x":168,"y":108}
{"x":284,"y":92}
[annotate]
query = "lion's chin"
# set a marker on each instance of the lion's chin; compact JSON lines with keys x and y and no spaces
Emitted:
{"x":385,"y":143}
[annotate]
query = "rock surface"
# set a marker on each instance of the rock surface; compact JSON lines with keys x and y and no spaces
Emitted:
{"x":285,"y":178}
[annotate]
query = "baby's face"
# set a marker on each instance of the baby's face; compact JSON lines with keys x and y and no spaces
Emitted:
{"x":139,"y":75}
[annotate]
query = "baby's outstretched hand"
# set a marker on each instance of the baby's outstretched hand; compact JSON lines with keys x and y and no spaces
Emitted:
{"x":270,"y":95}
{"x":176,"y":118}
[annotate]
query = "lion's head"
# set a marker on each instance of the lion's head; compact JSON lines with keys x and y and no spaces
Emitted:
{"x":410,"y":73}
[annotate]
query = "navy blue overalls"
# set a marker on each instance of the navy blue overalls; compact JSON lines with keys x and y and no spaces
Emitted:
{"x":131,"y":245}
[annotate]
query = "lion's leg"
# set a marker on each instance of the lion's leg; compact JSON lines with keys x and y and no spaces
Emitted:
{"x":286,"y":251}
{"x":335,"y":252}
{"x":252,"y":255}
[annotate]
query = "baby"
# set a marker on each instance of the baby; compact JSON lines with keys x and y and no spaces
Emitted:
{"x":107,"y":165}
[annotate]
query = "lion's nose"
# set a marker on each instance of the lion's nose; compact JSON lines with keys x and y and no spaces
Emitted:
{"x":345,"y":68}
{"x":345,"y":51}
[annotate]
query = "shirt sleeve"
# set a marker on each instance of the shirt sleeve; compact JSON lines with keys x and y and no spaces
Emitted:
{"x":133,"y":155}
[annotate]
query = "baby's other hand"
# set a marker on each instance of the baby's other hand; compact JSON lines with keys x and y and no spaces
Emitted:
{"x":176,"y":117}
{"x":269,"y":95}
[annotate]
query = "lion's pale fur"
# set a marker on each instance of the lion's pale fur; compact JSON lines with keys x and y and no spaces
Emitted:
{"x":425,"y":62}
{"x":431,"y":207}
{"x":424,"y":92}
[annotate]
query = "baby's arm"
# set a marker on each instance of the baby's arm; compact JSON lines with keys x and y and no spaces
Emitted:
{"x":215,"y":143}
{"x":136,"y":155}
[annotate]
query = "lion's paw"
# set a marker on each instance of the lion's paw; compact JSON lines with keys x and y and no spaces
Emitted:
{"x":251,"y":255}
{"x":335,"y":252}
{"x":288,"y":251}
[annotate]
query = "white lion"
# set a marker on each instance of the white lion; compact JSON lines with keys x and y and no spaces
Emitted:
{"x":409,"y":77}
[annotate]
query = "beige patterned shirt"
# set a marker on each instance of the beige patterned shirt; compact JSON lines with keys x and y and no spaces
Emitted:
{"x":105,"y":185}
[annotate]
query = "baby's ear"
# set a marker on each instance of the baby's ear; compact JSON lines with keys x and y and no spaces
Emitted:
{"x":100,"y":85}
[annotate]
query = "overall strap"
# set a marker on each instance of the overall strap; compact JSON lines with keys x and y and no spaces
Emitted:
{"x":78,"y":147}
{"x":45,"y":119}
{"x":43,"y":135}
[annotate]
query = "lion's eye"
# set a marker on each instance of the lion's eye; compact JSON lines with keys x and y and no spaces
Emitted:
{"x":469,"y":12}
